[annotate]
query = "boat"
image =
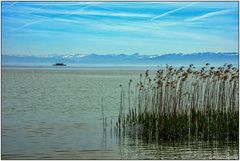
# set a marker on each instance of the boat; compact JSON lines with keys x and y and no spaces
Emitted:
{"x":59,"y":64}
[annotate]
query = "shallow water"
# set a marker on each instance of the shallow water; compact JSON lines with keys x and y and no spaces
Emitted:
{"x":50,"y":113}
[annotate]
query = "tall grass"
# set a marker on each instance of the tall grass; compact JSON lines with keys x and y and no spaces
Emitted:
{"x":182,"y":104}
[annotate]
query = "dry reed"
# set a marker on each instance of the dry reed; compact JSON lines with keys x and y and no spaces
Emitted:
{"x":179,"y":104}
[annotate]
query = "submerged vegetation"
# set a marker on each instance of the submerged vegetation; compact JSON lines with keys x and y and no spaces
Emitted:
{"x":182,"y":104}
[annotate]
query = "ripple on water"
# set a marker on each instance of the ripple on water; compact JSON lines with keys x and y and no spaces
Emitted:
{"x":54,"y":114}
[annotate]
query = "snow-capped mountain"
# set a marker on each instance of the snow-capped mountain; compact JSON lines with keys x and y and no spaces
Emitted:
{"x":123,"y":59}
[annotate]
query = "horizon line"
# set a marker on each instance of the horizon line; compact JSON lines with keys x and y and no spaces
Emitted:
{"x":137,"y":53}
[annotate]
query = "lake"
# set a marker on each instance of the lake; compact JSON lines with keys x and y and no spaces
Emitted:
{"x":56,"y":113}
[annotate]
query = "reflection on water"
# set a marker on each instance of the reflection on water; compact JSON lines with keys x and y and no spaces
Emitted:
{"x":56,"y":114}
{"x":135,"y":148}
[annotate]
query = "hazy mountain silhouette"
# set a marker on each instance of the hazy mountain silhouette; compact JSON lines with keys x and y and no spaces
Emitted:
{"x":123,"y":59}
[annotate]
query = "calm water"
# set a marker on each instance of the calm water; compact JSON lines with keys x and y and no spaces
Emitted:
{"x":56,"y":113}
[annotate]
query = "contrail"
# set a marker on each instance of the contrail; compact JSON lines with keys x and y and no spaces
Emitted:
{"x":47,"y":19}
{"x":28,"y":24}
{"x":12,"y":4}
{"x":210,"y":14}
{"x":172,"y":11}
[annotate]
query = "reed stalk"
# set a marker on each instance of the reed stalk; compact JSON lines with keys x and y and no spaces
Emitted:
{"x":183,"y":104}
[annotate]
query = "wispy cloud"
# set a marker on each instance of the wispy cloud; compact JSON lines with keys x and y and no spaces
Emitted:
{"x":14,"y":3}
{"x":9,"y":6}
{"x":39,"y":9}
{"x":210,"y":14}
{"x":82,"y":11}
{"x":90,"y":23}
{"x":172,"y":11}
{"x":35,"y":33}
{"x":27,"y":24}
{"x":52,"y":3}
{"x":63,"y":14}
{"x":156,"y":30}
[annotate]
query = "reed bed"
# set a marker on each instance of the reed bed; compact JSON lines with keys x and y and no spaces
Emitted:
{"x":182,"y":104}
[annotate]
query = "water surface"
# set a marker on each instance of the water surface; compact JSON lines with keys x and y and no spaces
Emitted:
{"x":55,"y":113}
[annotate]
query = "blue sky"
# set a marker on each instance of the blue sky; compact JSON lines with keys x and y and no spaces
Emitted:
{"x":66,"y":28}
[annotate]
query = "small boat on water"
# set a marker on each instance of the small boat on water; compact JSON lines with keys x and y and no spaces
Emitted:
{"x":59,"y":64}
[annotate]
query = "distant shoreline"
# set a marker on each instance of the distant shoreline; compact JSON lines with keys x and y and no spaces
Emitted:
{"x":28,"y":65}
{"x":83,"y":67}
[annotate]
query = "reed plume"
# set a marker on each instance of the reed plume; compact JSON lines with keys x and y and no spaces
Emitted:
{"x":183,"y":103}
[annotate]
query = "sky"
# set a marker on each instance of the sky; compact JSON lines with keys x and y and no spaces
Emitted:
{"x":148,"y":28}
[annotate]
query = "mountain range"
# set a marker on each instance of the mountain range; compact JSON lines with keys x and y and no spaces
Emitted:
{"x":199,"y":58}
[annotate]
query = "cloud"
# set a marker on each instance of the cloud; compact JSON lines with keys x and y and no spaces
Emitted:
{"x":39,"y":9}
{"x":210,"y":14}
{"x":81,"y":11}
{"x":82,"y":25}
{"x":8,"y":6}
{"x":67,"y":13}
{"x":14,"y":3}
{"x":52,"y":3}
{"x":172,"y":11}
{"x":112,"y":14}
{"x":27,"y":24}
